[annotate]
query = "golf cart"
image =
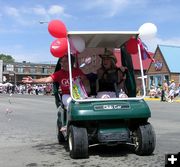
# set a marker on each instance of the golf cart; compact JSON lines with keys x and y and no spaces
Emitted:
{"x":93,"y":120}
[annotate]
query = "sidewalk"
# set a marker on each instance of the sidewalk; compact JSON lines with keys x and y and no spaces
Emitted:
{"x":177,"y":99}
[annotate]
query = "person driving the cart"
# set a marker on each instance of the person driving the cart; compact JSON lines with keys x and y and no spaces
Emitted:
{"x":111,"y":79}
{"x":62,"y":77}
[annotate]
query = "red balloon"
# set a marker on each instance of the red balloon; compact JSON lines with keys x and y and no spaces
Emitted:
{"x":59,"y":47}
{"x":57,"y":29}
{"x":131,"y":46}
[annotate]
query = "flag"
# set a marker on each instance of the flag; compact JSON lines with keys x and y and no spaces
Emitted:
{"x":144,"y":53}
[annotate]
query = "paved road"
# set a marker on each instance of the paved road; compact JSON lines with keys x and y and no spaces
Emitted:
{"x":28,"y":136}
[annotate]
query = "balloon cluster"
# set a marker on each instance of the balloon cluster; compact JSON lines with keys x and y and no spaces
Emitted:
{"x":59,"y":47}
{"x":146,"y":31}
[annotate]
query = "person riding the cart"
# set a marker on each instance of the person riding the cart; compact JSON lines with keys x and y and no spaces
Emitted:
{"x":61,"y":78}
{"x":111,"y":79}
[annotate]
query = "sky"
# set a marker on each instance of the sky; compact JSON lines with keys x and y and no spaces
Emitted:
{"x":25,"y":39}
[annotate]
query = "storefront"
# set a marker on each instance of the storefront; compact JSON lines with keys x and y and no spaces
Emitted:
{"x":166,"y":66}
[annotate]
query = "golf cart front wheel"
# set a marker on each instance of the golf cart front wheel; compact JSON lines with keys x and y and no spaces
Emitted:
{"x":144,"y":140}
{"x":78,"y":142}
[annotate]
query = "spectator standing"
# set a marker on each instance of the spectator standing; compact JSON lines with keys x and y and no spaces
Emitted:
{"x":172,"y":88}
{"x":37,"y":89}
{"x":164,"y":91}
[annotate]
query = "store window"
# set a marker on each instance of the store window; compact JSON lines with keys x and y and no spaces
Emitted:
{"x":155,"y":80}
{"x":20,"y":69}
{"x":44,"y":70}
{"x":32,"y":70}
{"x":158,"y":80}
{"x":166,"y":77}
{"x":151,"y":80}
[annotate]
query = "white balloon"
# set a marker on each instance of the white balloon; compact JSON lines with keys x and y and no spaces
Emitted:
{"x":147,"y":31}
{"x":78,"y":42}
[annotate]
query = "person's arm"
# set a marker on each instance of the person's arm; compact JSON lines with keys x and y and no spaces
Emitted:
{"x":85,"y":82}
{"x":170,"y":86}
{"x":40,"y":80}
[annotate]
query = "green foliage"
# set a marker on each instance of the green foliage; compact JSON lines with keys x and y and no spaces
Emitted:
{"x":6,"y":58}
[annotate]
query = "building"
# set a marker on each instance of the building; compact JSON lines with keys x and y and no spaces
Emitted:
{"x":165,"y":67}
{"x":14,"y":72}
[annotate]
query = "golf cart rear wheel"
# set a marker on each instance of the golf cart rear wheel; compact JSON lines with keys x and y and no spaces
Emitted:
{"x":144,"y":140}
{"x":78,"y":142}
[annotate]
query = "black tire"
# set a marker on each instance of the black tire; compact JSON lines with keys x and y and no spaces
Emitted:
{"x":60,"y":135}
{"x":78,"y":142}
{"x":144,"y":139}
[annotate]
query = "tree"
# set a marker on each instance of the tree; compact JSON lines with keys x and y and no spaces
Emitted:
{"x":6,"y":58}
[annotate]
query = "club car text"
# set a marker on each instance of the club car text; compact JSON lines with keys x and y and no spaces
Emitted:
{"x":111,"y":107}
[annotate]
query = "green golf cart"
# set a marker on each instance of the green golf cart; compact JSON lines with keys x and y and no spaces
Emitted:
{"x":93,"y":120}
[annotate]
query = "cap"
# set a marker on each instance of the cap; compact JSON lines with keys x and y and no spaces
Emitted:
{"x":172,"y":80}
{"x":109,"y":54}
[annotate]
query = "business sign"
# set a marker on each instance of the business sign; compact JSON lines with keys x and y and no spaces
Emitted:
{"x":158,"y":65}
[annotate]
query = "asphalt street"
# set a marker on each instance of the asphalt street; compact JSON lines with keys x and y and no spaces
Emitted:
{"x":28,"y":136}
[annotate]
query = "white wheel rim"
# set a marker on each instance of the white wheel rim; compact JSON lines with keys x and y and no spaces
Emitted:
{"x":70,"y":141}
{"x":136,"y":141}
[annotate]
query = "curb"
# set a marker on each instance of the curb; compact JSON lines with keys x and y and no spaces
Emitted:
{"x":158,"y":99}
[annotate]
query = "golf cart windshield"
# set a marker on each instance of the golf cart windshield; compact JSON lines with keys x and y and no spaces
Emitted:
{"x":89,"y":61}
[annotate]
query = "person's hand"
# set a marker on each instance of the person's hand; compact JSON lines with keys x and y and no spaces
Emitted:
{"x":87,"y":61}
{"x":27,"y":79}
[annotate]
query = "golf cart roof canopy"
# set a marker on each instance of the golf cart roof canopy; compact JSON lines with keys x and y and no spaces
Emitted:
{"x":104,"y":39}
